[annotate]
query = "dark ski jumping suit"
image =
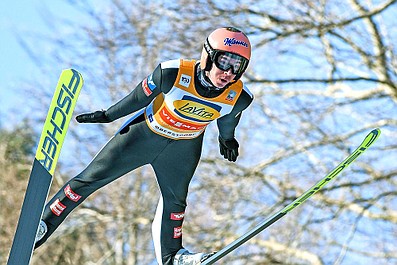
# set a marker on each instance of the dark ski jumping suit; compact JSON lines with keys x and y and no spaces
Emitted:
{"x":172,"y":109}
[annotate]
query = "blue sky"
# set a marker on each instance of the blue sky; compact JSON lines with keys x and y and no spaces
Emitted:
{"x":16,"y":66}
{"x":15,"y":63}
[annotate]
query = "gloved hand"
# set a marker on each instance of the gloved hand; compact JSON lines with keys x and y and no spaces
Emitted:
{"x":93,"y":117}
{"x":229,"y":148}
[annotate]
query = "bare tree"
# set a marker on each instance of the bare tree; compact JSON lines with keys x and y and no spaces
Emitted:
{"x":15,"y":162}
{"x":323,"y":74}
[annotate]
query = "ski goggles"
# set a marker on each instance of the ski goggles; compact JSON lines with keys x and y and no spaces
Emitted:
{"x":228,"y":60}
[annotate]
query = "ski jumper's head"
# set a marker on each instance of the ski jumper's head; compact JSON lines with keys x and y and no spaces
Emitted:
{"x":225,"y":56}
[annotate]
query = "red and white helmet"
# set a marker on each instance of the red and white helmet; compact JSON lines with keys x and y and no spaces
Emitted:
{"x":226,"y":40}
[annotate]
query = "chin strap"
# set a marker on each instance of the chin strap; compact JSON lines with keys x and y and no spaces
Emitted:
{"x":205,"y":81}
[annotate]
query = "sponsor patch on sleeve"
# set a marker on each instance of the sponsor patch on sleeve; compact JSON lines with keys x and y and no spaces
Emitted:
{"x":148,"y":85}
{"x":71,"y":194}
{"x":177,"y":232}
{"x":57,"y":207}
{"x":177,"y":216}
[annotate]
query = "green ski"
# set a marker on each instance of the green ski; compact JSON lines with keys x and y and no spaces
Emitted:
{"x":368,"y":141}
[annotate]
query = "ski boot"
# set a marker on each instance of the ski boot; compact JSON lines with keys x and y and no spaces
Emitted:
{"x":184,"y":257}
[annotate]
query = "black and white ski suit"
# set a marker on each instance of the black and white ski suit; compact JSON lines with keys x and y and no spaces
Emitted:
{"x":171,"y":111}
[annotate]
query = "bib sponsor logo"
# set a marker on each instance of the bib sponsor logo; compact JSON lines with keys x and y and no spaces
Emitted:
{"x":57,"y":207}
{"x":185,"y":80}
{"x":175,"y":135}
{"x":172,"y":121}
{"x":196,"y":110}
{"x":232,"y":94}
{"x":71,"y":194}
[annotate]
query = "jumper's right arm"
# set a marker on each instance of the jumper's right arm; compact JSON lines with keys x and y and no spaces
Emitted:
{"x":139,"y":98}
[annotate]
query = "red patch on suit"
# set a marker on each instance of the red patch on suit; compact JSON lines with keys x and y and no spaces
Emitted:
{"x":57,"y":207}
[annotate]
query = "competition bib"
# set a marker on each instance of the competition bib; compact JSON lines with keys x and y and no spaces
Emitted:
{"x":182,"y":113}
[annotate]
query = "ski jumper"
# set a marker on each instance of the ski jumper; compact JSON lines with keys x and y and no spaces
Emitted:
{"x":172,"y":110}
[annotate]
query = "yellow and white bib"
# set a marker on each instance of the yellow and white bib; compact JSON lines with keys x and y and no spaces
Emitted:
{"x":182,"y":113}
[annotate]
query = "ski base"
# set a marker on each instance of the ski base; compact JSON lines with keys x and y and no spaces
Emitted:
{"x":26,"y":230}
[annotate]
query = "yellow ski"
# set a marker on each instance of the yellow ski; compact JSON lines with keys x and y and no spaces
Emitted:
{"x":47,"y":154}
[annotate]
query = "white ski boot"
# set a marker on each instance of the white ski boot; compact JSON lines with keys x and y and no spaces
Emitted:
{"x":41,"y":231}
{"x":184,"y":257}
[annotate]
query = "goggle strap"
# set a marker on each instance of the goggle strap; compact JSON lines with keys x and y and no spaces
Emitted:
{"x":209,"y":49}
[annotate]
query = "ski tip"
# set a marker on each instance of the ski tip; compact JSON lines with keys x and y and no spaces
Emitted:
{"x":376,"y":132}
{"x":74,"y":72}
{"x":371,"y":137}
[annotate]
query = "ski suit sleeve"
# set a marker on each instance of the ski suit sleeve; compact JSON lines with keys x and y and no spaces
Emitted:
{"x":228,"y":123}
{"x":139,"y":98}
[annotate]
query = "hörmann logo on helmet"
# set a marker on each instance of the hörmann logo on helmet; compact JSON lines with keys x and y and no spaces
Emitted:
{"x":233,"y":41}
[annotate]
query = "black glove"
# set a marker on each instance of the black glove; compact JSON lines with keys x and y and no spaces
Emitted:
{"x":93,"y":117}
{"x":229,"y":148}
